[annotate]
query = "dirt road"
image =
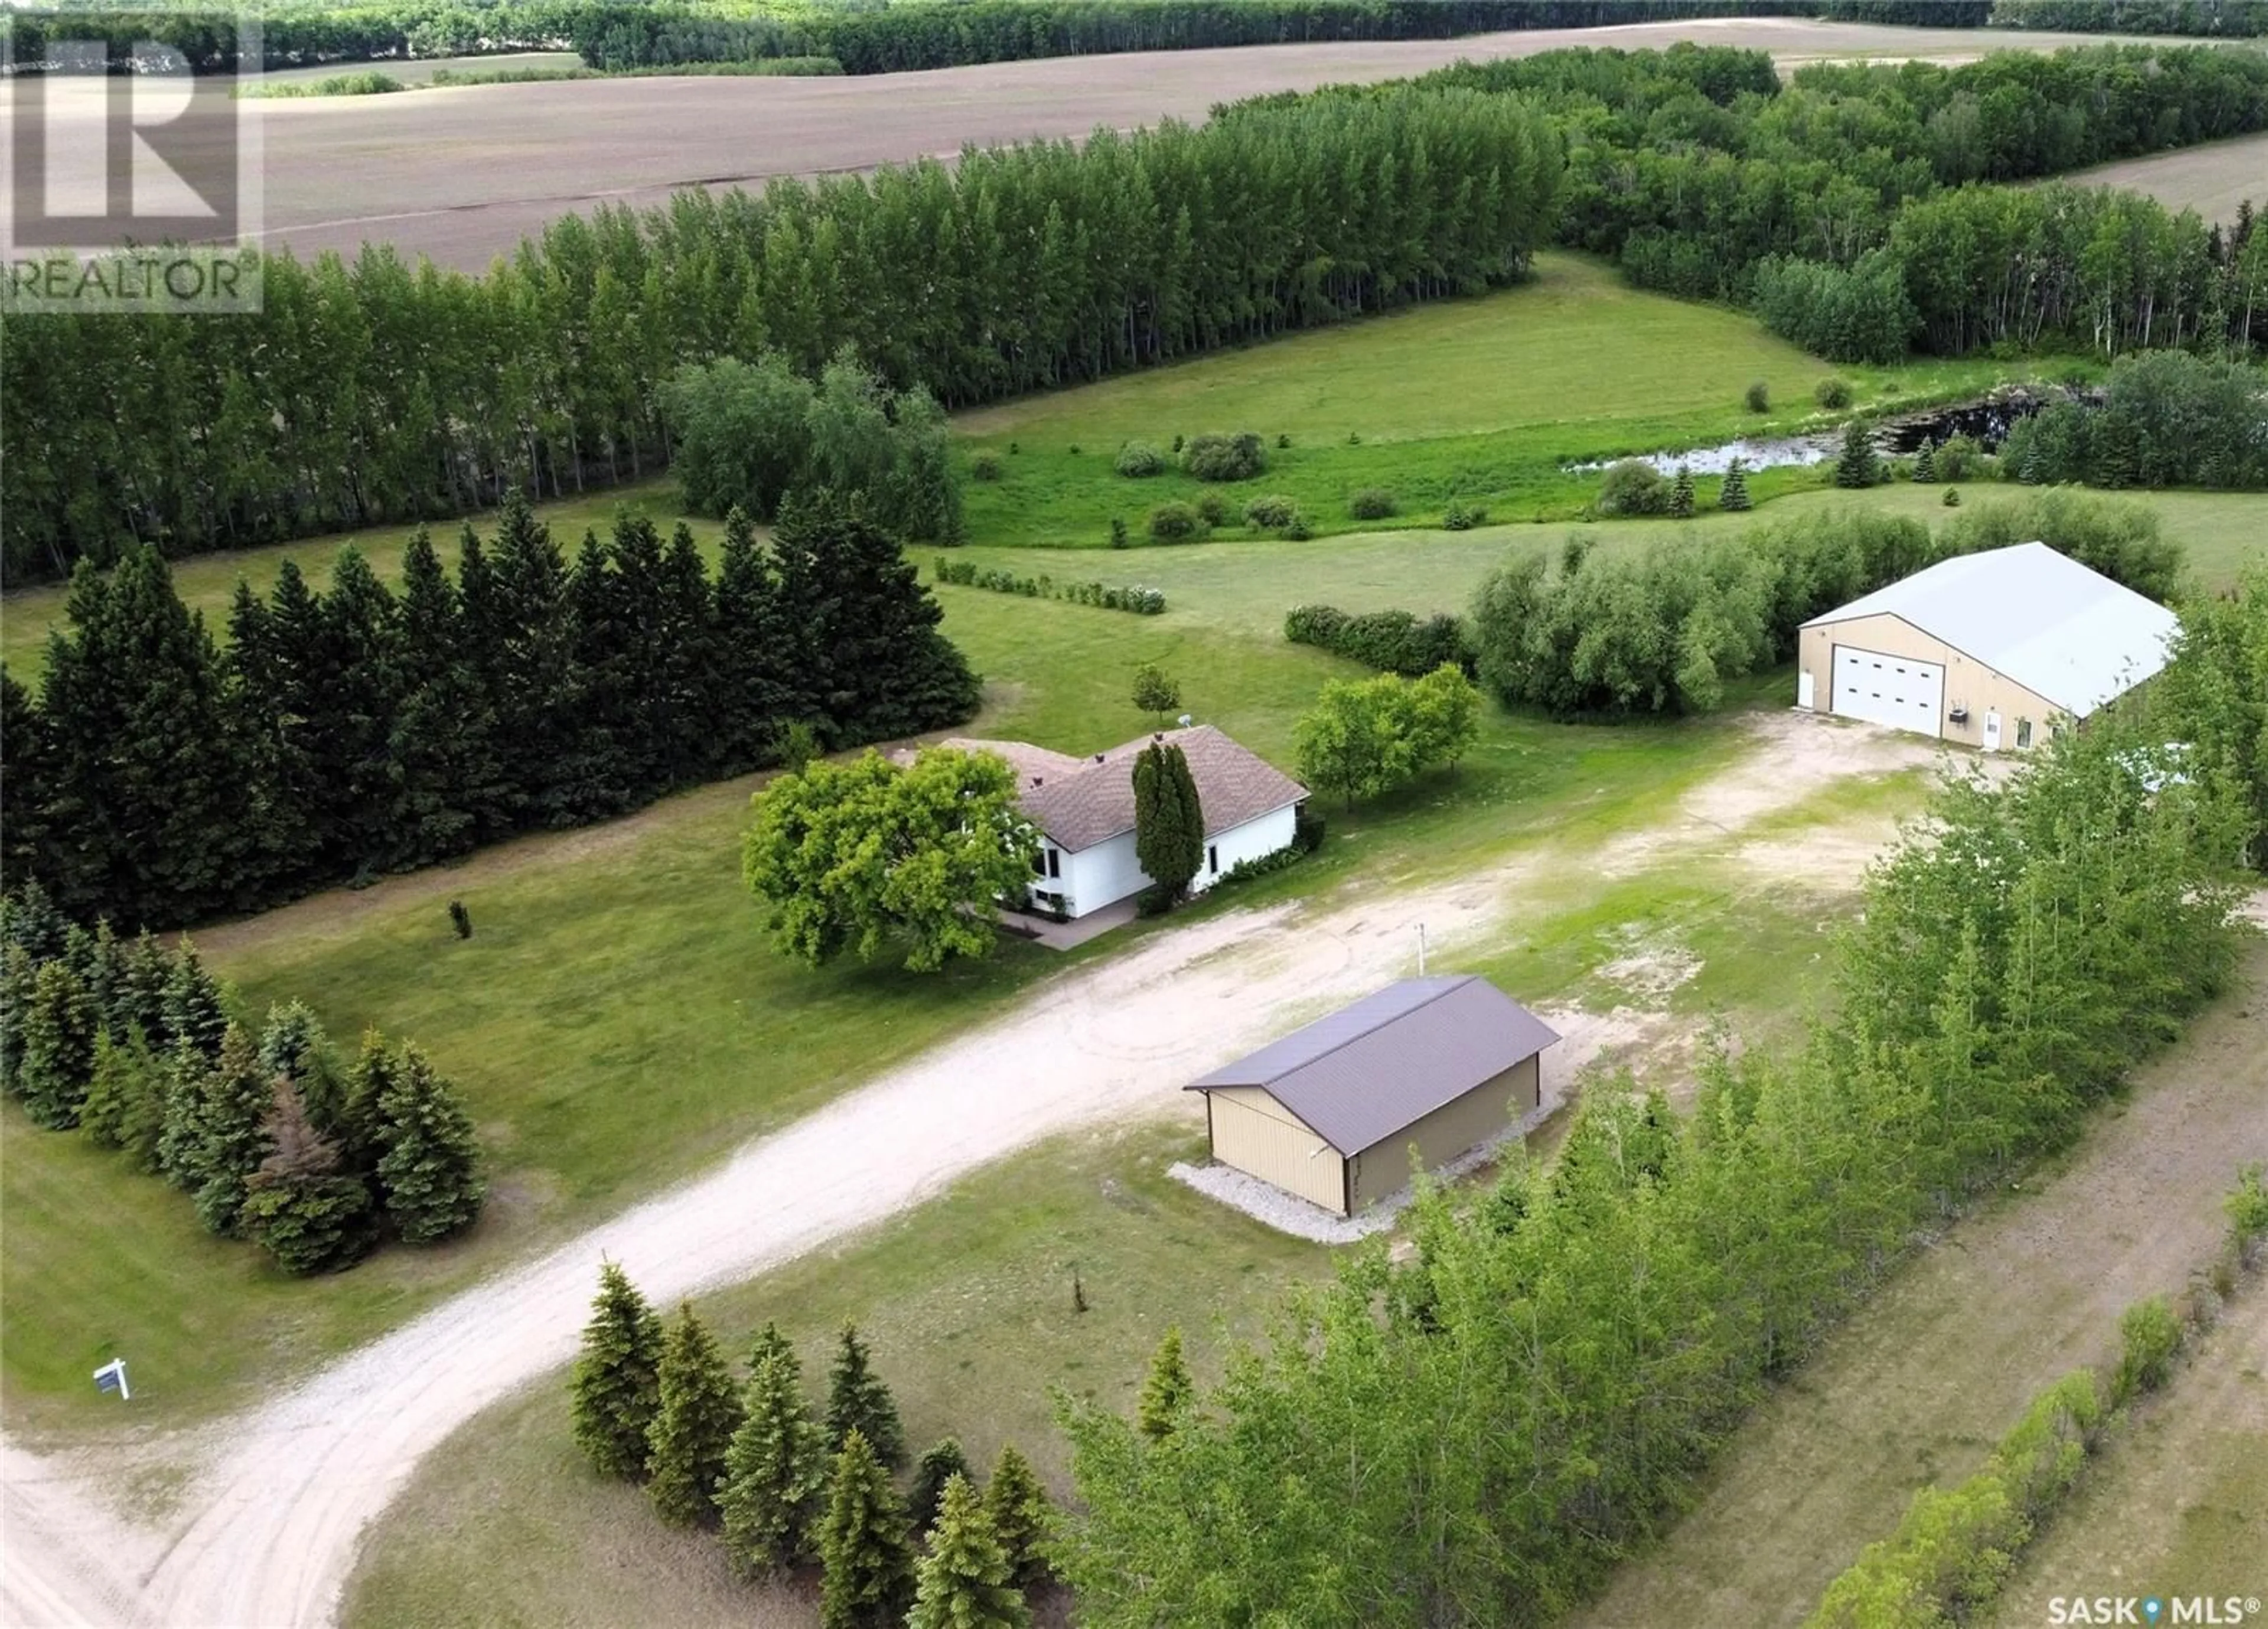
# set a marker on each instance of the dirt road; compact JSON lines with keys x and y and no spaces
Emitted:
{"x":266,"y":1530}
{"x":1918,"y":1385}
{"x":462,"y":175}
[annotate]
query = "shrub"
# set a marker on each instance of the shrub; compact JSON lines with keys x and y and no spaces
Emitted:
{"x":1298,"y":529}
{"x":2149,"y":1335}
{"x":1117,"y":532}
{"x":1282,"y":439}
{"x":1074,"y":449}
{"x":1174,"y":523}
{"x":1462,"y":516}
{"x":1213,"y":509}
{"x":1373,"y":503}
{"x":1215,"y":457}
{"x":1354,"y":437}
{"x":1952,"y":498}
{"x":1833,"y":393}
{"x":1390,"y":641}
{"x":1307,"y":827}
{"x":985,"y":467}
{"x":1014,"y":447}
{"x":1633,"y":487}
{"x":1138,"y":459}
{"x":1177,"y":446}
{"x":1958,"y":458}
{"x":1270,"y":512}
{"x":1758,"y":398}
{"x":2247,"y":1205}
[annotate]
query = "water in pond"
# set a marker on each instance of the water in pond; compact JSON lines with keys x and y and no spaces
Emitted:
{"x":1986,"y":421}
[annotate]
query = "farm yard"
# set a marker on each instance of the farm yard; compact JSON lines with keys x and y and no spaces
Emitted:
{"x":1852,"y":1145}
{"x":460,"y":175}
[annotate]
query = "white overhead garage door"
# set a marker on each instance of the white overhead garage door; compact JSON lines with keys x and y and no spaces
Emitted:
{"x":1896,"y":690}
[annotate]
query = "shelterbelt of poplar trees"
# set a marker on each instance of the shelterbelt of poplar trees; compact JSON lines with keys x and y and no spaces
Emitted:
{"x":156,"y":780}
{"x":1477,"y":1434}
{"x":372,"y":392}
{"x":883,"y":39}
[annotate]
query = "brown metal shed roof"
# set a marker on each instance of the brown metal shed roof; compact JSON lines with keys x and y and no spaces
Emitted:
{"x":1092,"y":800}
{"x":1372,"y":1070}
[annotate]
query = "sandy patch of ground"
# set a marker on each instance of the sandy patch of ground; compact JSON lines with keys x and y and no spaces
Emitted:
{"x":268,"y":1531}
{"x":2211,"y":180}
{"x":1923,"y":1379}
{"x":462,"y":175}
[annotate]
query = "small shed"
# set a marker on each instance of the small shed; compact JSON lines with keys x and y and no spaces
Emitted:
{"x":1331,"y":1111}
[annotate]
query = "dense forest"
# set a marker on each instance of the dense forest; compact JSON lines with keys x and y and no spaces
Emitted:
{"x":157,"y":779}
{"x":2229,"y":18}
{"x":377,"y":392}
{"x":1479,"y":1433}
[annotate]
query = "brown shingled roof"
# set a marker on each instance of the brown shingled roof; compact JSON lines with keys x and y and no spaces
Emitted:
{"x":1079,"y":802}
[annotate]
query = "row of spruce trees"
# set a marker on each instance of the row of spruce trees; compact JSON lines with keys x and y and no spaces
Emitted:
{"x":158,"y":780}
{"x":785,"y":1487}
{"x":274,"y":1138}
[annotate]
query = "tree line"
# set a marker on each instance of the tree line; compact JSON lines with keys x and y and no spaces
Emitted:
{"x":158,"y":780}
{"x":1662,"y":632}
{"x":271,"y":1135}
{"x":1477,"y":1433}
{"x":1863,"y":208}
{"x":785,"y":1487}
{"x":2168,"y":419}
{"x":371,"y":392}
{"x":2235,"y":19}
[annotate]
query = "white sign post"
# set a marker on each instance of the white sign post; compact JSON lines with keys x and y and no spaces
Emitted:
{"x":112,"y":1377}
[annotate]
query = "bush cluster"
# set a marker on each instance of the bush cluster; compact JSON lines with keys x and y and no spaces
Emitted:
{"x":271,"y":1135}
{"x":1216,"y":457}
{"x":1371,"y":503}
{"x":1138,"y":459}
{"x":1271,"y":512}
{"x":2169,"y":419}
{"x":1176,"y":523}
{"x":1832,"y":394}
{"x":1107,"y":596}
{"x":1390,"y":641}
{"x":1664,"y":630}
{"x":1463,"y":515}
{"x":1631,"y":486}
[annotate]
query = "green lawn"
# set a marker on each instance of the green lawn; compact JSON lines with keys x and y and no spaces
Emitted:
{"x":968,"y":1305}
{"x":1483,"y":399}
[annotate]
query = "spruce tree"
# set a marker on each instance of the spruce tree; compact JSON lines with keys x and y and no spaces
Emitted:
{"x":294,"y":1047}
{"x":1020,"y":1514}
{"x":300,"y":1206}
{"x":1169,"y":822}
{"x":693,"y":1425}
{"x":776,"y":1470}
{"x":370,"y":1078}
{"x":429,"y":1161}
{"x":125,"y":1105}
{"x":748,"y":692}
{"x":965,"y":1579}
{"x":770,"y":1344}
{"x":194,"y":1012}
{"x":357,"y":663}
{"x":19,"y":974}
{"x":857,"y":1400}
{"x":865,"y":1556}
{"x":181,"y":1071}
{"x":231,"y":1105}
{"x":100,"y":962}
{"x":29,"y":918}
{"x":26,"y":783}
{"x":274,"y":697}
{"x":681,"y":666}
{"x":60,"y":1026}
{"x":1681,"y":495}
{"x":1732,"y":497}
{"x":1924,"y":469}
{"x":1857,"y":467}
{"x":933,"y":1471}
{"x":614,"y":1389}
{"x":148,"y":969}
{"x":606,"y":775}
{"x":1168,"y":1391}
{"x":450,"y":790}
{"x":533,"y":678}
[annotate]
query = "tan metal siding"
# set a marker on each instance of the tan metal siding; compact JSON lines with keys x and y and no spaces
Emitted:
{"x":1253,"y":1132}
{"x":1967,"y":684}
{"x":1457,"y":1126}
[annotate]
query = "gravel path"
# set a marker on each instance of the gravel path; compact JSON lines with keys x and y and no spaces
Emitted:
{"x":265,"y":1532}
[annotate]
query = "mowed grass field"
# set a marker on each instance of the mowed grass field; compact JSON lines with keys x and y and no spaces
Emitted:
{"x":1482,"y":400}
{"x":2213,"y":179}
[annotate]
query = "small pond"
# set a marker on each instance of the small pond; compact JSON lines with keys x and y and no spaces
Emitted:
{"x":1985,"y":420}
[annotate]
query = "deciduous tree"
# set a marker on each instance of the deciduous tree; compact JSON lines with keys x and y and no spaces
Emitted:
{"x":1169,"y":821}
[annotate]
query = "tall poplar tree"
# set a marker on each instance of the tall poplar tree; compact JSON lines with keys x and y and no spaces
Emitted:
{"x":1169,"y":822}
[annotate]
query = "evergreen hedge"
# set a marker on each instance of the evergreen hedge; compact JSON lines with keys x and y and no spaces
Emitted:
{"x":1390,"y":641}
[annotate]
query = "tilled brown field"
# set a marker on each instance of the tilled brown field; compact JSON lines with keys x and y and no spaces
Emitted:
{"x":462,"y":175}
{"x":2211,"y":180}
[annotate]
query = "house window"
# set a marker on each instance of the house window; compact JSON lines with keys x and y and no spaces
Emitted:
{"x":1212,"y":858}
{"x":1040,"y":863}
{"x":1055,"y":862}
{"x":2023,"y":732}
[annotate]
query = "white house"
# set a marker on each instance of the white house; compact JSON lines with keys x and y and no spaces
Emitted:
{"x":1988,"y":648}
{"x":1084,"y":808}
